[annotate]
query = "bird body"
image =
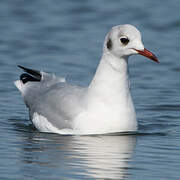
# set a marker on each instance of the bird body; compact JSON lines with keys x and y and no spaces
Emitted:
{"x":105,"y":106}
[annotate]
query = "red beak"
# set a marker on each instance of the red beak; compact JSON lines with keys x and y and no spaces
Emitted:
{"x":148,"y":54}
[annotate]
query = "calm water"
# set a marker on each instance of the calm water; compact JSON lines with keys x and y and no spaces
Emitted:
{"x":66,"y":37}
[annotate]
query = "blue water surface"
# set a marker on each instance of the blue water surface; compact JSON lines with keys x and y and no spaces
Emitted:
{"x":66,"y":37}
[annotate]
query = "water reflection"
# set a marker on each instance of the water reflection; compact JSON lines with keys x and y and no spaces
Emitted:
{"x":104,"y":157}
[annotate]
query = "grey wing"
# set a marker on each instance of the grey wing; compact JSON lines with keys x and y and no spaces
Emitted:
{"x":50,"y":97}
{"x":60,"y":104}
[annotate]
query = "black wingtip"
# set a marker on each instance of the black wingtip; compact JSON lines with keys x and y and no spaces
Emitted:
{"x":26,"y":78}
{"x":21,"y":67}
{"x":35,"y":75}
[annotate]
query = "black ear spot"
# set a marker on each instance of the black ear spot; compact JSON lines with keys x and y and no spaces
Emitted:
{"x":109,"y":44}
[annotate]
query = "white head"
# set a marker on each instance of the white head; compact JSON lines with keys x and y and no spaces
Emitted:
{"x":125,"y":40}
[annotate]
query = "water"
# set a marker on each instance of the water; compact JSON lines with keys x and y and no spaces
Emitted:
{"x":66,"y":37}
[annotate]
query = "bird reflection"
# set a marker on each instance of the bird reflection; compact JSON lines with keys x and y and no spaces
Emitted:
{"x":104,"y":156}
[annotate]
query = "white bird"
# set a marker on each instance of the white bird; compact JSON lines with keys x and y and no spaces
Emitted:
{"x":105,"y":106}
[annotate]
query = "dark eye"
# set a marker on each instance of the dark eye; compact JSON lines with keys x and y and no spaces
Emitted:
{"x":124,"y":40}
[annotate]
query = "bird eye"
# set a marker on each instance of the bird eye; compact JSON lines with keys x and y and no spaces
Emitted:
{"x":124,"y":40}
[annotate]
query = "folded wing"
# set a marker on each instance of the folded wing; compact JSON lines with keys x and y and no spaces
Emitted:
{"x":50,"y":97}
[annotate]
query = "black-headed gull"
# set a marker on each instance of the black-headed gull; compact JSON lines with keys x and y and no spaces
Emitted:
{"x":103,"y":107}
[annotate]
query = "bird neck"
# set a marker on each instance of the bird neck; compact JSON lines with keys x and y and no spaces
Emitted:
{"x":111,"y":80}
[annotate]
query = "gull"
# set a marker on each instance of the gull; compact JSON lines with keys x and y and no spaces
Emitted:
{"x":105,"y":106}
